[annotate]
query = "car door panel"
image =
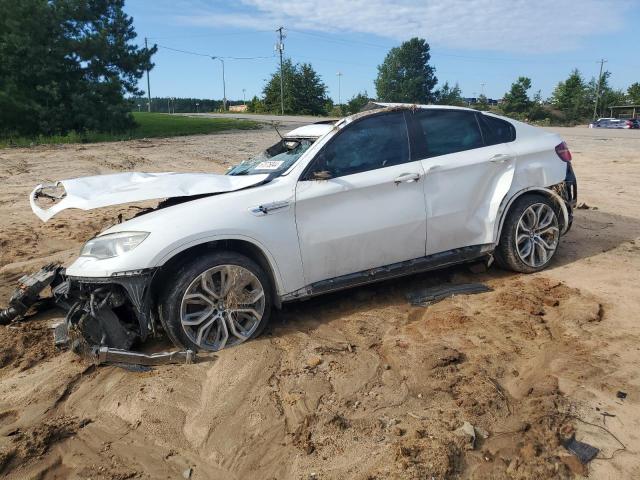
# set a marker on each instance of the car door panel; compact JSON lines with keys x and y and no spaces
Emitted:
{"x":360,"y":221}
{"x":465,"y":178}
{"x":463,"y":193}
{"x":365,"y":219}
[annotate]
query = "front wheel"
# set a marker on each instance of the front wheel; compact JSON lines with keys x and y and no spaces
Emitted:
{"x":216,"y":301}
{"x":530,"y":235}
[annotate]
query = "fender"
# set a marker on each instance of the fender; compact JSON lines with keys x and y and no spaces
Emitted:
{"x":165,"y":256}
{"x":506,"y":205}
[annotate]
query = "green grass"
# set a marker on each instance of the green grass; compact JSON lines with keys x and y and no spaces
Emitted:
{"x":150,"y":125}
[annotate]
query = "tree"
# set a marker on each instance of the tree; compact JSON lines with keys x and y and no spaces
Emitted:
{"x":633,"y":92}
{"x":304,"y":91}
{"x":67,"y":65}
{"x":482,"y":104}
{"x":357,"y":102}
{"x":449,"y":96}
{"x":405,"y":75}
{"x":572,"y":97}
{"x":516,"y":100}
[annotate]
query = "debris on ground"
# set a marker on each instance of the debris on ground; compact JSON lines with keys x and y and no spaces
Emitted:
{"x":467,"y":432}
{"x":621,"y":395}
{"x":115,"y":355}
{"x":584,"y":206}
{"x":583,"y":451}
{"x":429,"y":296}
{"x":26,"y":297}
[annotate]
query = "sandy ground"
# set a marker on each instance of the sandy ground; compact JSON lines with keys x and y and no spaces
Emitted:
{"x":352,"y":385}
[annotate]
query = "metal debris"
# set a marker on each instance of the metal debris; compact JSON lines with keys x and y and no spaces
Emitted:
{"x":27,"y":297}
{"x":115,"y":355}
{"x":429,"y":296}
{"x":583,"y":451}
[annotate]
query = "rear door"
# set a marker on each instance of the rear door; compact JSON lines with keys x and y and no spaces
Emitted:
{"x":468,"y":168}
{"x":370,"y":209}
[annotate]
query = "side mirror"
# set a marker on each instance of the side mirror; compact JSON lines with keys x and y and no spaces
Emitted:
{"x":321,"y":175}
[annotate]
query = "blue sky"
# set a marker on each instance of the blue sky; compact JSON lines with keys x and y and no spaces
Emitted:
{"x":473,"y":42}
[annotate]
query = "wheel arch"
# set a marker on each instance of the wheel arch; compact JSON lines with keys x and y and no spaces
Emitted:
{"x":239,"y":245}
{"x":547,"y":192}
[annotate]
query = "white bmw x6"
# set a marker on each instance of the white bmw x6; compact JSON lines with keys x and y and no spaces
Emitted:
{"x":391,"y":191}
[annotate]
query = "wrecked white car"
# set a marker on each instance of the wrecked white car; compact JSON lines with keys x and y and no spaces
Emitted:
{"x":388,"y":192}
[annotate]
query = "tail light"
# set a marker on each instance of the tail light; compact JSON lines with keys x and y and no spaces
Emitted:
{"x":629,"y":123}
{"x":563,"y":152}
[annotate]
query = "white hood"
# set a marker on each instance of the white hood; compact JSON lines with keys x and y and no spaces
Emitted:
{"x":87,"y":193}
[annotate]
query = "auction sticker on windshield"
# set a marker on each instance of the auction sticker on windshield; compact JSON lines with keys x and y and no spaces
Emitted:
{"x":269,"y":165}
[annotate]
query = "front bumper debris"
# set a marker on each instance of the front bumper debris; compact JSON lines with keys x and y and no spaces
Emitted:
{"x":115,"y":355}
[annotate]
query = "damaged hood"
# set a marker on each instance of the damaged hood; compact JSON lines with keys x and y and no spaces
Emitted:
{"x":87,"y":193}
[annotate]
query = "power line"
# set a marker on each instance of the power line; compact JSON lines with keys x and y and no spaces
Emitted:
{"x":202,"y":35}
{"x":188,"y":52}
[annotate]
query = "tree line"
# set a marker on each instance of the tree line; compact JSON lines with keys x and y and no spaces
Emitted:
{"x":71,"y":65}
{"x":407,"y":76}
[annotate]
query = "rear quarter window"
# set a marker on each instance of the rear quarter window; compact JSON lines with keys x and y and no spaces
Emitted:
{"x":496,"y":131}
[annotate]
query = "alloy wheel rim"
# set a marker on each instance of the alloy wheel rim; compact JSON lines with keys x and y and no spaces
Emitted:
{"x":537,"y":235}
{"x":223,"y":306}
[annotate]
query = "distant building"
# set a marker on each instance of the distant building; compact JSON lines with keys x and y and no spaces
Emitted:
{"x":238,"y":108}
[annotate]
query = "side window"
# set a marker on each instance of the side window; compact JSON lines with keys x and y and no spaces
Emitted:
{"x":448,"y":131}
{"x":375,"y":142}
{"x":496,"y":131}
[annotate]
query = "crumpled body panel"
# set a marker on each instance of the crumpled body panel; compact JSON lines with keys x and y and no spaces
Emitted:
{"x":98,"y":191}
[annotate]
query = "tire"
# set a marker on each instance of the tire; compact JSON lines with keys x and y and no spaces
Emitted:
{"x":511,"y":255}
{"x":196,"y":297}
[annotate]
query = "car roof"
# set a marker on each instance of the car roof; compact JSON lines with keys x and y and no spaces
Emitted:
{"x":315,"y":130}
{"x":372,"y":105}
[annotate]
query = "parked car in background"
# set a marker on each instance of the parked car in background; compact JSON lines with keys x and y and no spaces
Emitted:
{"x":392,"y":191}
{"x":612,"y":123}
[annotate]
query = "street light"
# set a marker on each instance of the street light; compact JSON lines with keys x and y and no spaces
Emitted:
{"x":224,"y":86}
{"x":244,"y":100}
{"x":197,"y":107}
{"x":339,"y":74}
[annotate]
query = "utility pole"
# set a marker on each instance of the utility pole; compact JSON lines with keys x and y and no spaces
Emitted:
{"x":482,"y":88}
{"x":224,"y":85}
{"x":244,"y":100}
{"x":595,"y":105}
{"x":148,"y":84}
{"x":280,"y":48}
{"x":168,"y":105}
{"x":339,"y":74}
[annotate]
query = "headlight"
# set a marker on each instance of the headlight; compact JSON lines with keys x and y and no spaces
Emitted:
{"x":112,"y":244}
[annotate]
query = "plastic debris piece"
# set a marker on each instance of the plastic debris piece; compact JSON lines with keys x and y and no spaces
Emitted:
{"x":428,"y":296}
{"x":583,"y":451}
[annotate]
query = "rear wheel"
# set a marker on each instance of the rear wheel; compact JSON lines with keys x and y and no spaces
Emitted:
{"x":219,"y":300}
{"x":530,"y":235}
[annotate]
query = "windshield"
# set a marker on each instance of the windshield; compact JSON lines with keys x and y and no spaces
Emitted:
{"x":275,"y":159}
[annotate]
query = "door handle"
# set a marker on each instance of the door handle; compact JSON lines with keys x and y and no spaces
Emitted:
{"x":500,"y":158}
{"x":407,"y":178}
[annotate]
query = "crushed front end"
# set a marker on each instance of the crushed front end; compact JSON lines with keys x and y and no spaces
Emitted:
{"x":110,"y":311}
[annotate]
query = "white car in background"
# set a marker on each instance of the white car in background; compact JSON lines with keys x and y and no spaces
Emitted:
{"x":388,"y":192}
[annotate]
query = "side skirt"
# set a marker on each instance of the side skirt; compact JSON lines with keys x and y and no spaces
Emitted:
{"x":400,"y":269}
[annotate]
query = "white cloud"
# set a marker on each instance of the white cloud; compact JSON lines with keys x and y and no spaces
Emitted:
{"x":502,"y":25}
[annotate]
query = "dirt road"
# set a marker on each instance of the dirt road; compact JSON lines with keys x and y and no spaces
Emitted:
{"x":352,"y":385}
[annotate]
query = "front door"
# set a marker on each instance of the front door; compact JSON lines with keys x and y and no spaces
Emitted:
{"x":370,"y":211}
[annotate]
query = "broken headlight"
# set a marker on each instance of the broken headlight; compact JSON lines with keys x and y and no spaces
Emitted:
{"x":112,"y":244}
